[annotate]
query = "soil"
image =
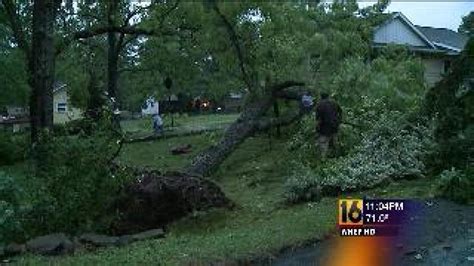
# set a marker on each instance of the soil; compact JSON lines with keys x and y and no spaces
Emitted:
{"x":441,"y":233}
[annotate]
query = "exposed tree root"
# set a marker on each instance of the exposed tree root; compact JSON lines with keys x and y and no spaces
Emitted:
{"x":155,"y":200}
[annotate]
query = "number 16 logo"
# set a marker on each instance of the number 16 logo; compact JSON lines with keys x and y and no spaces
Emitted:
{"x":350,"y":212}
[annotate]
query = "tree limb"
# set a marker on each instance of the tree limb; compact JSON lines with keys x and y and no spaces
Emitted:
{"x":265,"y":124}
{"x":168,"y":12}
{"x":14,"y":21}
{"x":290,"y":95}
{"x":283,"y":85}
{"x":235,"y":42}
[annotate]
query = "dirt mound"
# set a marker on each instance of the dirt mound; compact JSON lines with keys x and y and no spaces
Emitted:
{"x":155,"y":200}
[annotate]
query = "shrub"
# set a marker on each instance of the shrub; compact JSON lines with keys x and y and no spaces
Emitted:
{"x":454,"y":151}
{"x":457,"y":185}
{"x":390,"y":150}
{"x":302,"y":185}
{"x":78,"y":182}
{"x":13,"y":148}
{"x":10,"y":208}
{"x":451,"y":103}
{"x":303,"y":141}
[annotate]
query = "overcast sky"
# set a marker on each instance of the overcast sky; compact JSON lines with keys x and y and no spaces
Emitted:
{"x":439,"y":14}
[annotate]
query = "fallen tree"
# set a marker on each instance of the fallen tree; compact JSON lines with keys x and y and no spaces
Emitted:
{"x":247,"y":124}
{"x":156,"y":199}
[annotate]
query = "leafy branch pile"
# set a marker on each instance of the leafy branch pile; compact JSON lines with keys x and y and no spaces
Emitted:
{"x":391,"y":150}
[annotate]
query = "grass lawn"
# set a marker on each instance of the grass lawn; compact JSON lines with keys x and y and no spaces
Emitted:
{"x":157,"y":154}
{"x":253,"y":176}
{"x":182,"y":123}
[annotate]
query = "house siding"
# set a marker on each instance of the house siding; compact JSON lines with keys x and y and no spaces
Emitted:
{"x":397,"y":32}
{"x":434,"y":70}
{"x":71,"y":113}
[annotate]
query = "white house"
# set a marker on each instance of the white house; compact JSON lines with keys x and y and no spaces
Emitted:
{"x":436,"y":47}
{"x":151,"y":107}
{"x":63,"y":111}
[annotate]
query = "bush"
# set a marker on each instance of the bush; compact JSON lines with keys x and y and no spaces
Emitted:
{"x":303,"y":184}
{"x":13,"y":148}
{"x":10,"y":208}
{"x":450,"y":102}
{"x":390,"y":150}
{"x":303,"y":141}
{"x":78,"y":183}
{"x":457,"y":185}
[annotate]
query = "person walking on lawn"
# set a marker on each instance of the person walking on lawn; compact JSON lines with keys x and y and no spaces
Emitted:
{"x":329,"y":116}
{"x":157,"y":124}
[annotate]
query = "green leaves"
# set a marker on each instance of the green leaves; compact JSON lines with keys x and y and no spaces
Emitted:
{"x":390,"y":150}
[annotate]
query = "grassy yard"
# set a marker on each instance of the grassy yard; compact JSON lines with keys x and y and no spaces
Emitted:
{"x":253,"y":176}
{"x":182,"y":123}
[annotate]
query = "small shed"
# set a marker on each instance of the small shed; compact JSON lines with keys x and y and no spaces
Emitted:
{"x":150,"y":106}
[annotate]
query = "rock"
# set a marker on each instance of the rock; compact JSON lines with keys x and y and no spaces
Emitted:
{"x":149,"y":234}
{"x":13,"y":249}
{"x":53,"y":244}
{"x":98,"y":240}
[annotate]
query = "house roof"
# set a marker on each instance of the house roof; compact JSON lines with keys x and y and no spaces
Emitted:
{"x":445,"y":38}
{"x":438,"y":40}
{"x":407,"y":22}
{"x":58,"y":85}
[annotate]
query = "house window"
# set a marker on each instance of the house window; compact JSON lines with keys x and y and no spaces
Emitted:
{"x":62,"y":107}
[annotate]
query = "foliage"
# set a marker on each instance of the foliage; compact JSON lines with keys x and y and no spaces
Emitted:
{"x":392,"y":149}
{"x":450,"y":102}
{"x":467,"y":25}
{"x":78,"y":184}
{"x":396,"y":83}
{"x":304,"y":138}
{"x":13,"y":147}
{"x":13,"y":74}
{"x":260,"y":225}
{"x":457,"y":185}
{"x":10,"y":208}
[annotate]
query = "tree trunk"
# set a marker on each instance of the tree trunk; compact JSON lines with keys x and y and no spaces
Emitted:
{"x":112,"y":69}
{"x":113,"y":53}
{"x":42,"y":66}
{"x":247,"y":124}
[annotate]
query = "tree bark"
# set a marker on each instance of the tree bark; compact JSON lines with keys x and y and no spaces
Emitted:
{"x":112,"y":57}
{"x":247,"y":124}
{"x":42,"y":66}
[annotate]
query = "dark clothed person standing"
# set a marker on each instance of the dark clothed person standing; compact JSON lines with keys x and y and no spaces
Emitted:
{"x":329,"y":116}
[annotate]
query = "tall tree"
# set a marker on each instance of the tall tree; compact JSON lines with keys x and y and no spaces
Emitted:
{"x":42,"y":67}
{"x":467,"y":25}
{"x":40,"y":57}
